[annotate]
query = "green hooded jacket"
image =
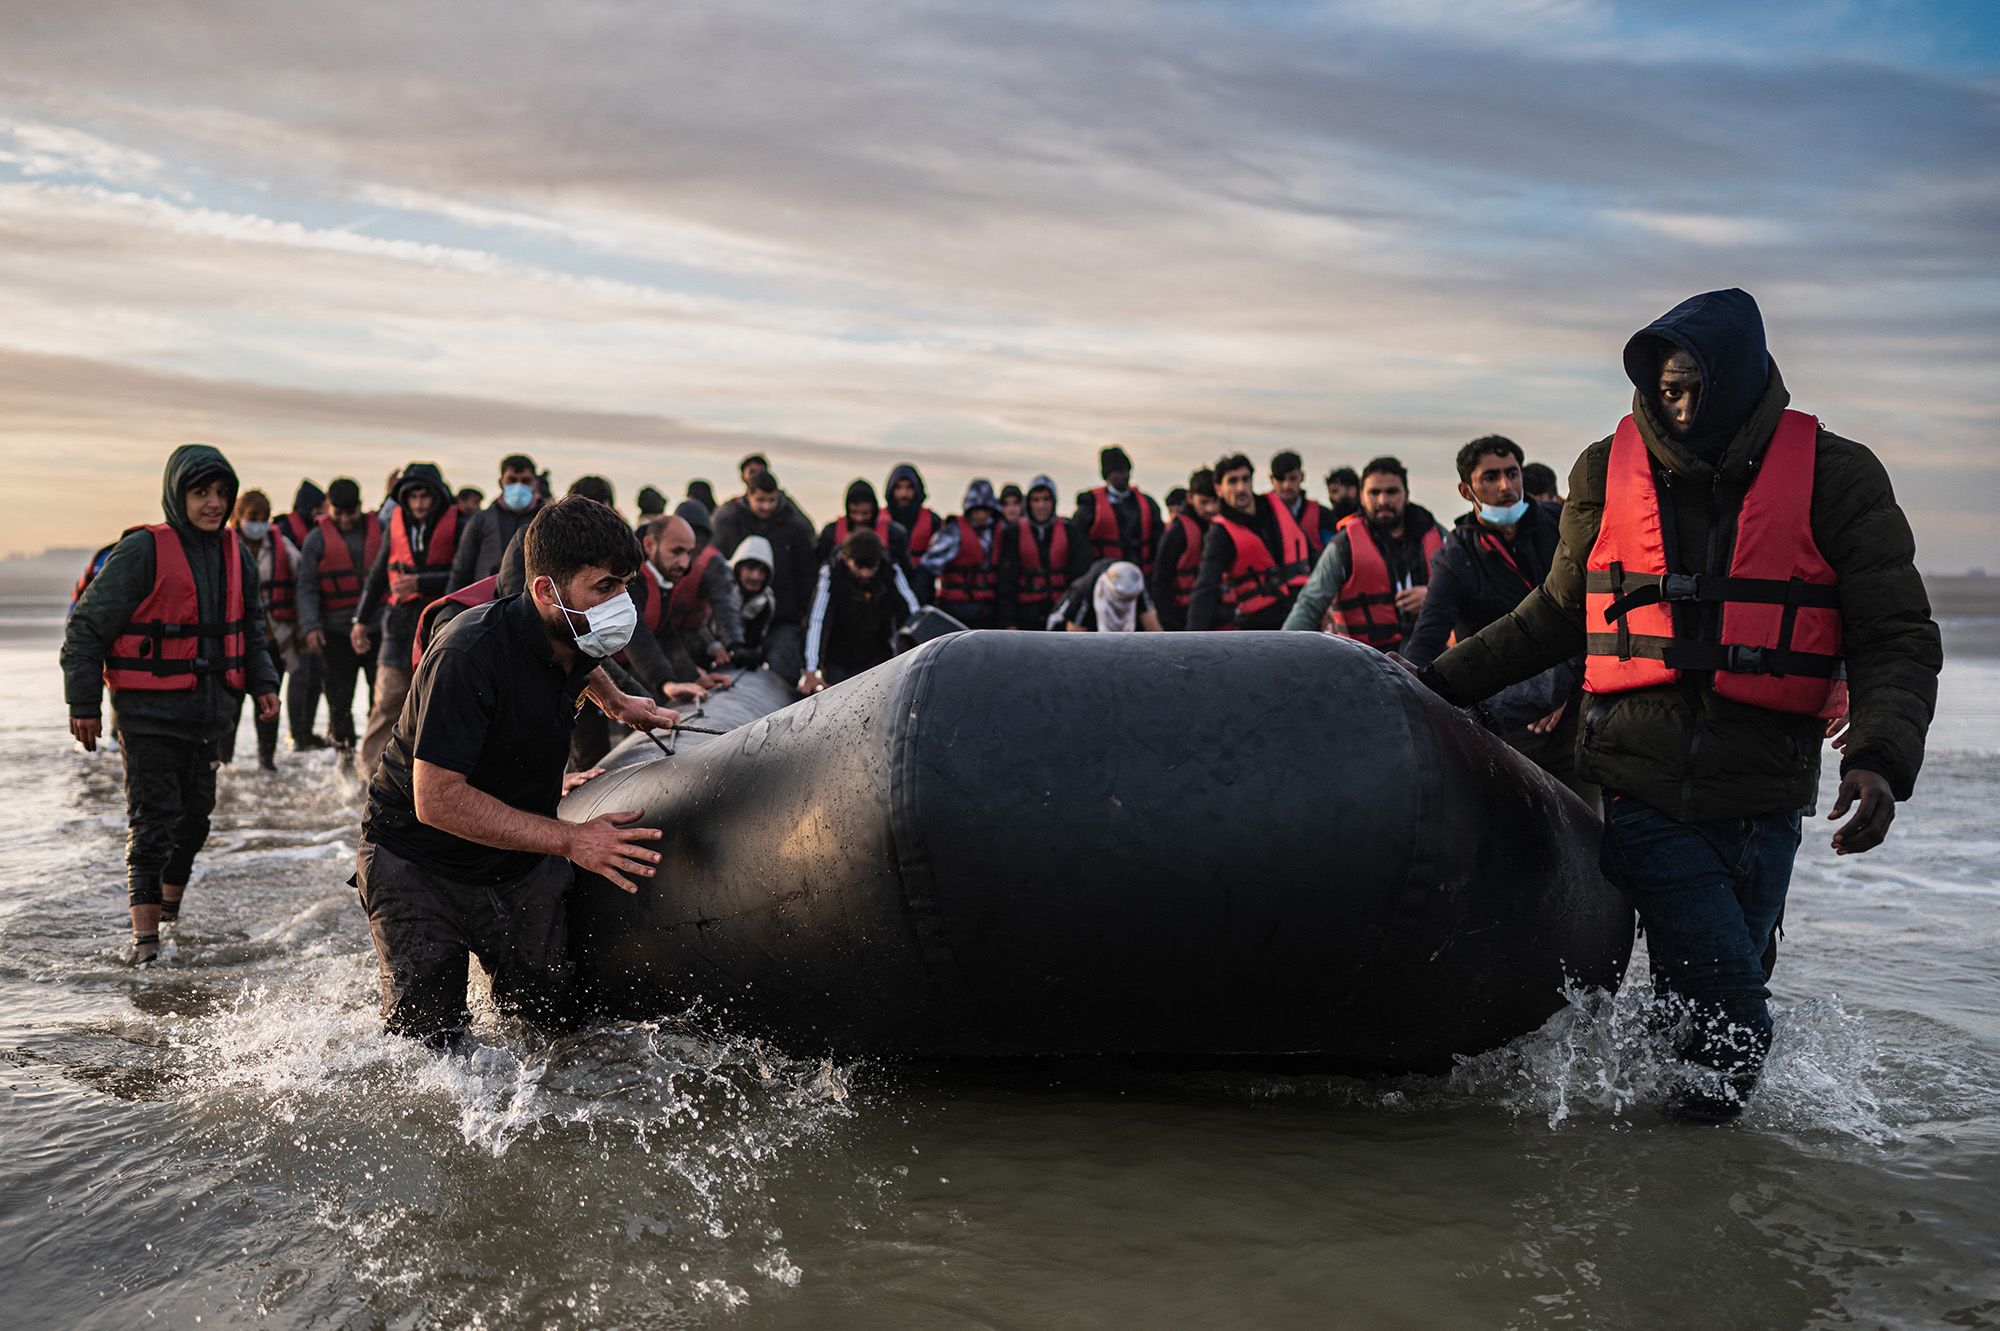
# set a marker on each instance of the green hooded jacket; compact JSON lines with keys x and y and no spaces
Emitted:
{"x":209,"y":710}
{"x":1682,"y":748}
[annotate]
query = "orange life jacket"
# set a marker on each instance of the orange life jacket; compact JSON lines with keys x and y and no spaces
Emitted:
{"x":472,"y":594}
{"x":1104,"y":541}
{"x":403,"y":563}
{"x":1778,"y":642}
{"x":973,"y":574}
{"x":158,"y":650}
{"x":687,"y":607}
{"x":1365,"y":606}
{"x":1042,"y":581}
{"x":1259,"y":580}
{"x":339,"y":580}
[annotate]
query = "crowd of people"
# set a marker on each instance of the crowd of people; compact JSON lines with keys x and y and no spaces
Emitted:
{"x":1728,"y":578}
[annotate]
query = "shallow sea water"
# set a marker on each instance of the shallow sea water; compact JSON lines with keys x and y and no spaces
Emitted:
{"x":227,"y":1139}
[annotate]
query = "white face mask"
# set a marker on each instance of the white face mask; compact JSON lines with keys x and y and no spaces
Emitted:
{"x":1503,"y":515}
{"x":610,"y":625}
{"x":256,"y":531}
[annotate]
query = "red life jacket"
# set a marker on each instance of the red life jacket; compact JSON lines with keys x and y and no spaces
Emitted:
{"x":1189,"y":565}
{"x":403,"y":564}
{"x":973,"y":574}
{"x":687,"y":608}
{"x":652,"y":600}
{"x":1104,"y":542}
{"x":158,"y":649}
{"x":1365,"y":607}
{"x":842,"y":529}
{"x":1258,"y":580}
{"x":1778,"y":642}
{"x":1042,"y":582}
{"x":280,"y":594}
{"x":1310,"y":518}
{"x":294,"y":525}
{"x":473,"y":593}
{"x":922,"y":532}
{"x":339,"y":580}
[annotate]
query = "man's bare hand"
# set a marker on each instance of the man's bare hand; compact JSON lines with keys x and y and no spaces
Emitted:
{"x":640,"y":713}
{"x":683,"y":692}
{"x":315,"y":641}
{"x":1402,"y":661}
{"x":267,"y":707}
{"x":572,"y":780}
{"x":609,"y":848}
{"x":1411,"y":599}
{"x":357,"y":638}
{"x":1874,"y":807}
{"x":1837,"y":732}
{"x":811,"y":682}
{"x":713,"y":681}
{"x":87,"y":730}
{"x":1549,"y":722}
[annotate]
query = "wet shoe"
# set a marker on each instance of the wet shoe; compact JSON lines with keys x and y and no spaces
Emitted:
{"x":266,"y":763}
{"x":170,"y":912}
{"x":145,"y":950}
{"x":311,"y":742}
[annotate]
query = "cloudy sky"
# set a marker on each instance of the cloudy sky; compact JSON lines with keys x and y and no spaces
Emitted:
{"x":645,"y":238}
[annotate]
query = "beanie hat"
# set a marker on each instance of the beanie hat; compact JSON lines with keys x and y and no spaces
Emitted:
{"x":308,"y":498}
{"x":344,"y":493}
{"x":1112,"y":459}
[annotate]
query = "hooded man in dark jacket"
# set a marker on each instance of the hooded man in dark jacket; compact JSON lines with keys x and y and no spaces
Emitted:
{"x":1707,"y":753}
{"x":862,"y":509}
{"x":429,"y":522}
{"x":174,"y":693}
{"x":766,"y":512}
{"x":904,"y":497}
{"x":1494,"y":556}
{"x":302,"y":686}
{"x":1116,"y":520}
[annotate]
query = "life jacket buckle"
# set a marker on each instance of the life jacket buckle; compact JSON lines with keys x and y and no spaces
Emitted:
{"x":1744,"y":660}
{"x":1680,"y":587}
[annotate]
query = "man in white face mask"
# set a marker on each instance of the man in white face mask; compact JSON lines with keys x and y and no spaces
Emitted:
{"x":1492,"y":558}
{"x":461,"y":852}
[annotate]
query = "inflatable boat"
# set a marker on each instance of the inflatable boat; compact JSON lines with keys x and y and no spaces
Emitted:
{"x":1182,"y":846}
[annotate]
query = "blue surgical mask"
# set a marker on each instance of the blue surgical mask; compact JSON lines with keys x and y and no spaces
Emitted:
{"x":256,"y":531}
{"x":517,"y":496}
{"x":1503,"y":515}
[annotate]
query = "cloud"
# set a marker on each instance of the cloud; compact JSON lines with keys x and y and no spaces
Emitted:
{"x":994,"y":234}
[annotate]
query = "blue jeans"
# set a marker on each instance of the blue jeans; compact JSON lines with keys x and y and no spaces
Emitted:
{"x":1709,"y":896}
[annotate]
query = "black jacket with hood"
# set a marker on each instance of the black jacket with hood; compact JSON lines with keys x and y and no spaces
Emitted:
{"x":399,"y":622}
{"x":1682,"y":748}
{"x":211,"y":709}
{"x":791,"y":539}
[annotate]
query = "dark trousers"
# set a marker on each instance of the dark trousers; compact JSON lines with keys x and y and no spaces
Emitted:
{"x":426,"y":927}
{"x":1709,"y":897}
{"x":1033,"y":615}
{"x":169,"y":794}
{"x":339,"y":665}
{"x":302,"y":696}
{"x":267,"y":731}
{"x":972,"y":614}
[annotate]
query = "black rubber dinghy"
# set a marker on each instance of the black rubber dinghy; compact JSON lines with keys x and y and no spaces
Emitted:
{"x":1232,"y":845}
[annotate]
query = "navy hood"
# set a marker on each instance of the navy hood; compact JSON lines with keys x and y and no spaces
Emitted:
{"x":308,"y":498}
{"x":1724,"y":332}
{"x":903,"y":471}
{"x":863,"y":492}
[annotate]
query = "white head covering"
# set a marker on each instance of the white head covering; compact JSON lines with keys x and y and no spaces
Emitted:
{"x":1116,"y":597}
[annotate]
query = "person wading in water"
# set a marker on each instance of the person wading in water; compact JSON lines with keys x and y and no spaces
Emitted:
{"x":1723,"y":561}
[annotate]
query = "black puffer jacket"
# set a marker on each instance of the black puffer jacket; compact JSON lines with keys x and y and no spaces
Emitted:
{"x":1682,"y":748}
{"x":211,"y":709}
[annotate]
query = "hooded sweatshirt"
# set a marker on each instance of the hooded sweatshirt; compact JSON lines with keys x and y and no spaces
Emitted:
{"x":210,"y":709}
{"x":399,"y":622}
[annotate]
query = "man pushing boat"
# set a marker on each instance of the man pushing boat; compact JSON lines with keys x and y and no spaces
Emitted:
{"x":461,"y":853}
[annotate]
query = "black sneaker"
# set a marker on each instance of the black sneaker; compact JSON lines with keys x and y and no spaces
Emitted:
{"x":311,"y":742}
